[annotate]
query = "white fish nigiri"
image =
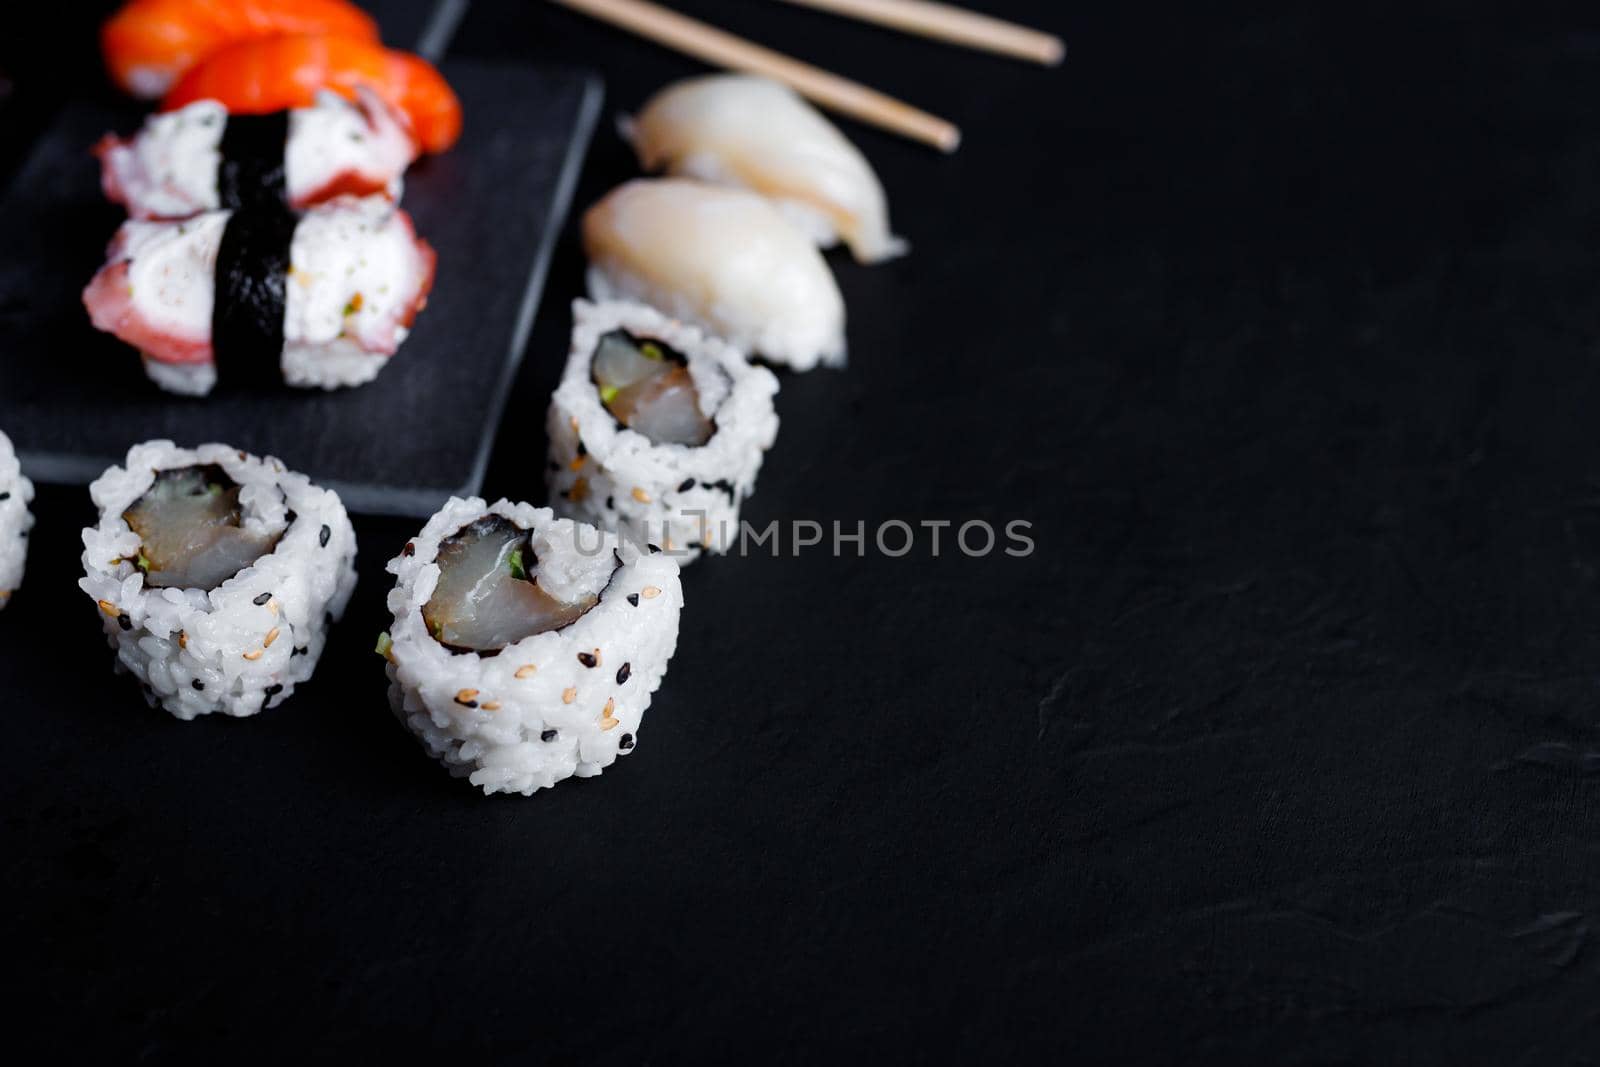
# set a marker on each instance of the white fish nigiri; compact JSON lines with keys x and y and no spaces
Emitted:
{"x":723,"y":259}
{"x":752,"y":132}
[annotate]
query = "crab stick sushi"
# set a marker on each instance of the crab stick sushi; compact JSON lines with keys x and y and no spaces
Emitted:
{"x":274,"y":73}
{"x":758,"y":134}
{"x":215,"y":575}
{"x":320,"y":300}
{"x":149,"y":44}
{"x":657,"y":431}
{"x":525,"y":648}
{"x":200,"y":158}
{"x":723,"y":259}
{"x":15,"y":521}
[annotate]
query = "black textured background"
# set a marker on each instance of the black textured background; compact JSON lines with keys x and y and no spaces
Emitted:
{"x":1279,"y":322}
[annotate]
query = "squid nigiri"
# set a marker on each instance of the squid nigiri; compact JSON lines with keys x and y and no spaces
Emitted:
{"x":325,"y":297}
{"x":275,"y":73}
{"x":198,"y":158}
{"x":148,"y":44}
{"x":741,"y":130}
{"x":723,"y":259}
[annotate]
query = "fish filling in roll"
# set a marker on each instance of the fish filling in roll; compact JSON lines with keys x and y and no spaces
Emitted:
{"x":189,"y":526}
{"x":489,"y":595}
{"x":647,"y":388}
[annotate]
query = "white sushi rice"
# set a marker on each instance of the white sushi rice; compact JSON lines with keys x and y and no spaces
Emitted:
{"x":534,"y":714}
{"x":680,"y":497}
{"x":243,"y":646}
{"x":16,"y":492}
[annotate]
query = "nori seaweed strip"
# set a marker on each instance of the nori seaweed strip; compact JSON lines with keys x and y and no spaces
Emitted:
{"x":251,"y":290}
{"x":251,"y":170}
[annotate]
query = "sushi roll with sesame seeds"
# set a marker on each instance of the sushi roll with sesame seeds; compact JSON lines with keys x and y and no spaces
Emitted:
{"x":15,"y":520}
{"x":320,"y":300}
{"x":525,"y":648}
{"x":657,"y":431}
{"x":215,"y":575}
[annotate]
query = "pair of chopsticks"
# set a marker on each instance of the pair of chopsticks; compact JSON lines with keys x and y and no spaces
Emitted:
{"x":939,"y":21}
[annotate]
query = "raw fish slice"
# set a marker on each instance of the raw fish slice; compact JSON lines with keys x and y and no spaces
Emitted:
{"x":650,"y":391}
{"x":188,"y":524}
{"x":276,"y":73}
{"x":488,"y":596}
{"x":148,"y":44}
{"x":752,"y":132}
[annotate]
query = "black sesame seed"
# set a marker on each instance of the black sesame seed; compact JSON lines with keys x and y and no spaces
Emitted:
{"x":626,"y":743}
{"x":623,"y":672}
{"x":587,"y":659}
{"x":297,"y":651}
{"x":262,"y":599}
{"x":198,"y":685}
{"x":5,"y":496}
{"x":582,"y":451}
{"x":124,"y":622}
{"x":633,"y":598}
{"x":322,"y":537}
{"x":548,"y":735}
{"x":611,"y":503}
{"x":688,"y":484}
{"x":273,"y":690}
{"x":654,"y":549}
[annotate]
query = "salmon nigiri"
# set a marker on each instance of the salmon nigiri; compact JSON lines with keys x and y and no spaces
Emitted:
{"x":149,"y":44}
{"x":274,"y":73}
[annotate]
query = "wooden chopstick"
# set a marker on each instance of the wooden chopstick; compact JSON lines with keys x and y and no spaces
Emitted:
{"x":723,"y":49}
{"x":951,"y":24}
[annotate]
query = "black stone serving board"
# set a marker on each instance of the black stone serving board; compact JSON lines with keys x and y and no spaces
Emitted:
{"x":73,"y":399}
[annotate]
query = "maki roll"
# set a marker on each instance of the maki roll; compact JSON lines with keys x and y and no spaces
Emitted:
{"x":657,"y":430}
{"x":200,"y":158}
{"x":724,"y":259}
{"x":216,"y":574}
{"x":525,"y":648}
{"x":756,"y":133}
{"x":15,"y":520}
{"x":319,"y":300}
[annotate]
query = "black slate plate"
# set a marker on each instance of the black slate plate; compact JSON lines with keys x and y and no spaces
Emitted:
{"x":73,"y":400}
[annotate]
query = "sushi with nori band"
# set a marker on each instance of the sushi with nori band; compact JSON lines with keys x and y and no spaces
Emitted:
{"x":723,"y":259}
{"x":317,"y":300}
{"x":525,"y":648}
{"x":199,"y":158}
{"x":215,"y":575}
{"x":16,"y":492}
{"x":657,"y":430}
{"x":149,"y":44}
